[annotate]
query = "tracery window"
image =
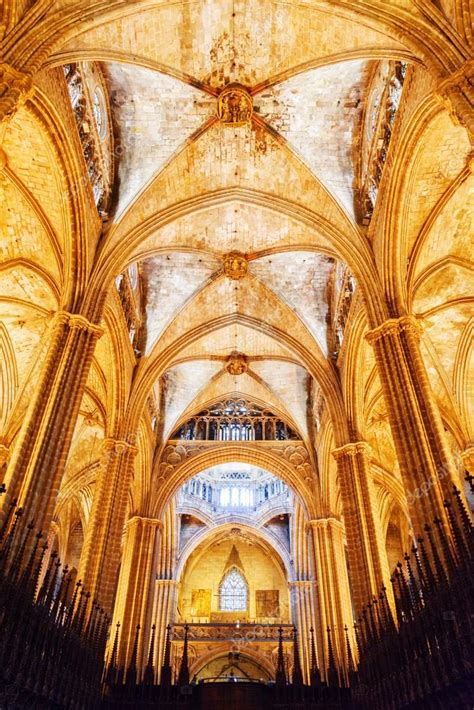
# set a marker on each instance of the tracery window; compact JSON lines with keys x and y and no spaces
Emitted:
{"x":88,"y":105}
{"x":342,"y":286}
{"x":98,"y":109}
{"x":129,"y":291}
{"x":233,"y":591}
{"x":235,"y":420}
{"x":381,"y":113}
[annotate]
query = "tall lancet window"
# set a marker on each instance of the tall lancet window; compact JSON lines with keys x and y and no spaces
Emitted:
{"x":233,"y":591}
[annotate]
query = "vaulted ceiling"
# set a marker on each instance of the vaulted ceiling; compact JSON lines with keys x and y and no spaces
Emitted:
{"x":283,"y":190}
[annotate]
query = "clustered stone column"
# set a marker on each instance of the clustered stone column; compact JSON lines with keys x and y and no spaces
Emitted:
{"x":423,"y":453}
{"x":303,"y":602}
{"x":335,"y":606}
{"x":136,"y":586}
{"x":37,"y":464}
{"x":100,"y":559}
{"x":365,"y":547}
{"x":166,"y":601}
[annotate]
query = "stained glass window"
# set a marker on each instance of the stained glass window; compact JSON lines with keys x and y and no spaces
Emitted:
{"x":233,"y":592}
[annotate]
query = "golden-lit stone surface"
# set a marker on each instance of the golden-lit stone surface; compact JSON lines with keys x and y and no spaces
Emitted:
{"x":235,"y":260}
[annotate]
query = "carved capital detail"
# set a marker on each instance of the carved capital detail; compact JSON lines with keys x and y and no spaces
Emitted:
{"x":81,"y":323}
{"x":167,"y":582}
{"x":456,"y":92}
{"x":78,"y":322}
{"x":146,"y":522}
{"x":119,"y":446}
{"x":15,"y":88}
{"x":173,"y":456}
{"x":352,"y":450}
{"x":325,"y":523}
{"x":394,"y":326}
{"x":298,"y":457}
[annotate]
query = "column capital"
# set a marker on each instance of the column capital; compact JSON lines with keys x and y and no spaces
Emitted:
{"x":74,"y":320}
{"x":302,"y":583}
{"x":456,"y":92}
{"x":352,"y":450}
{"x":167,"y":582}
{"x":394,"y":326}
{"x":16,"y":88}
{"x":119,"y":446}
{"x":325,"y":523}
{"x":467,"y":458}
{"x":143,"y":520}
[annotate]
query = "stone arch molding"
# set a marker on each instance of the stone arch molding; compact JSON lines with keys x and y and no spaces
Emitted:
{"x":290,"y":461}
{"x":261,"y":536}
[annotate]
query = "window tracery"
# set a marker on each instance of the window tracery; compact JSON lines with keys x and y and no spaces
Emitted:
{"x":233,"y":591}
{"x":341,"y":287}
{"x":235,"y":420}
{"x":129,"y":290}
{"x":380,"y":119}
{"x":88,"y":104}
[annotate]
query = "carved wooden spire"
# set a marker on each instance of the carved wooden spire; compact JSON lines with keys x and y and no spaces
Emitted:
{"x":333,"y":676}
{"x":280,"y":677}
{"x":183,"y":677}
{"x":149,"y":674}
{"x":132,"y":666}
{"x":297,"y":677}
{"x":165,"y":678}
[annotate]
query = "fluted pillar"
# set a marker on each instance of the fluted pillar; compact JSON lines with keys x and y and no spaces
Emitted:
{"x":166,"y":601}
{"x":426,"y":462}
{"x":368,"y":563}
{"x":303,"y":613}
{"x":335,"y":604}
{"x":136,"y":585}
{"x":100,"y":559}
{"x":38,"y":460}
